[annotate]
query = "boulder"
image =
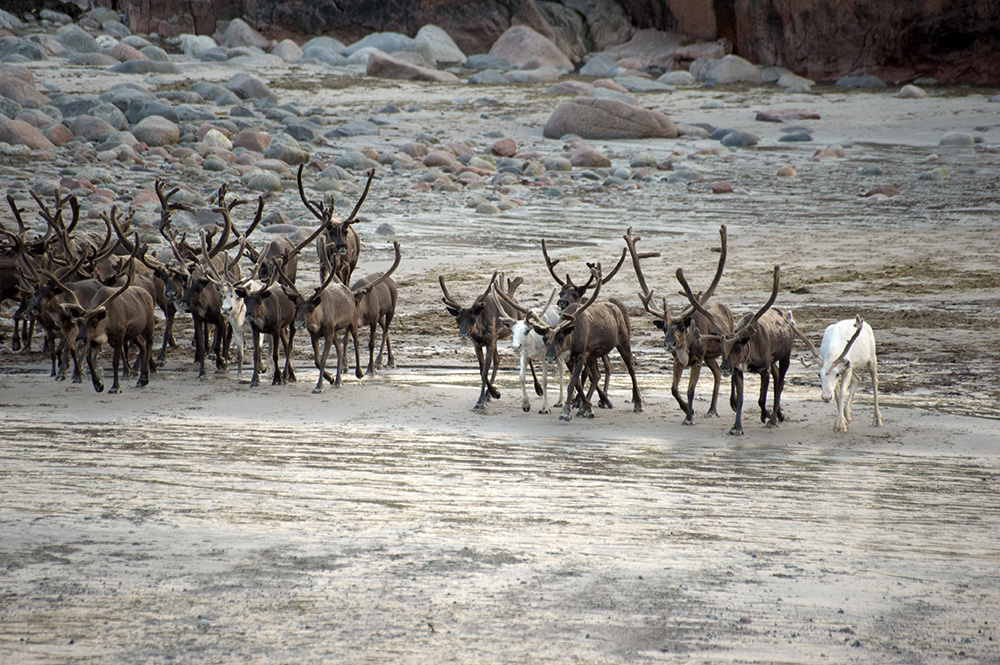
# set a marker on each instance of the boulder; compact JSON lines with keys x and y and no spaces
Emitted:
{"x":239,"y":33}
{"x":861,"y":81}
{"x":246,"y":86}
{"x":287,"y":149}
{"x":911,"y":92}
{"x":287,"y":50}
{"x":601,"y":65}
{"x":18,"y":132}
{"x":387,"y":42}
{"x":76,"y":39}
{"x":523,"y":47}
{"x":22,"y":92}
{"x":91,"y":128}
{"x":607,"y":119}
{"x":156,"y":130}
{"x":386,"y":66}
{"x":647,"y":48}
{"x":145,"y":67}
{"x":122,"y":52}
{"x":437,"y":47}
{"x":728,"y":69}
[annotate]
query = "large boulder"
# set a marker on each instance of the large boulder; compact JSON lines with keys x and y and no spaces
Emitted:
{"x":728,"y":69}
{"x":239,"y":33}
{"x":523,"y":47}
{"x":437,"y":47}
{"x":647,"y":48}
{"x":19,"y":132}
{"x":386,"y":66}
{"x":607,"y":119}
{"x":23,"y":92}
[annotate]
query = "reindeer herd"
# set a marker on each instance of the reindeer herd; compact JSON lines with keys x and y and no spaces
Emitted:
{"x":88,"y":290}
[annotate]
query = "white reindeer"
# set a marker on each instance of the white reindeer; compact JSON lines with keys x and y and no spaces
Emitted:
{"x":530,"y":346}
{"x":848,"y":347}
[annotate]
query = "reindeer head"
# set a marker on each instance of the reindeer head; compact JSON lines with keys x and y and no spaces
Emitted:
{"x":572,"y":292}
{"x":558,"y":338}
{"x":465,"y":317}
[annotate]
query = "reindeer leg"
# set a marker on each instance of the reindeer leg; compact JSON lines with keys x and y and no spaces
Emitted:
{"x":625,"y":352}
{"x":278,"y":379}
{"x":850,"y":400}
{"x":201,"y":344}
{"x":341,"y":357}
{"x":604,"y":402}
{"x":483,"y":374}
{"x":736,"y":400}
{"x":873,"y":370}
{"x":168,"y":333}
{"x":779,"y":388}
{"x":320,"y":361}
{"x":576,"y":382}
{"x":95,"y":373}
{"x":675,"y":388}
{"x":495,"y":356}
{"x":534,"y":376}
{"x":561,"y":365}
{"x":840,"y":394}
{"x":692,"y":382}
{"x":118,"y":358}
{"x":143,"y":359}
{"x":765,"y":380}
{"x":289,"y":350}
{"x":525,"y":402}
{"x":255,"y":378}
{"x":391,"y":362}
{"x":74,"y":354}
{"x":371,"y":349}
{"x":545,"y":388}
{"x":353,"y":330}
{"x":717,"y":376}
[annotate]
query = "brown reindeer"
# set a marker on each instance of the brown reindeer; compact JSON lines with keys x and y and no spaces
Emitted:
{"x":760,"y":343}
{"x":480,"y":322}
{"x":684,"y":334}
{"x":270,"y":311}
{"x":587,"y":332}
{"x":376,"y":307}
{"x":341,"y":242}
{"x":571,"y":292}
{"x":117,"y":317}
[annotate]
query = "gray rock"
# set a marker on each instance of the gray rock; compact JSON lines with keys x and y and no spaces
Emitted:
{"x":72,"y":106}
{"x":156,"y":131}
{"x":871,"y":170}
{"x":111,"y":114}
{"x":677,"y":78}
{"x":319,"y":44}
{"x":740,"y":139}
{"x":123,"y":95}
{"x":76,"y":39}
{"x":239,"y":33}
{"x":287,"y":149}
{"x":792,"y":137}
{"x":639,"y":84}
{"x":353,"y":161}
{"x":261,"y":180}
{"x":799,"y":89}
{"x":386,"y":66}
{"x":145,"y":67}
{"x":538,"y":75}
{"x":91,"y":128}
{"x":155,"y":53}
{"x":720,"y":133}
{"x":957,"y":140}
{"x":730,"y":69}
{"x":217,"y":54}
{"x":608,"y":93}
{"x":911,"y":92}
{"x":557,"y":163}
{"x":10,"y":108}
{"x":437,"y":47}
{"x":194,"y":45}
{"x":643,"y":160}
{"x":326,"y":57}
{"x":91,"y":59}
{"x":136,"y":41}
{"x":788,"y":80}
{"x":483,"y":61}
{"x":208,"y":91}
{"x":692,"y":130}
{"x":354,"y":128}
{"x":522,"y":46}
{"x":139,"y":109}
{"x":387,"y":42}
{"x":194,"y":113}
{"x":602,"y":65}
{"x":489,"y":77}
{"x":180,"y":97}
{"x":300,"y":132}
{"x":116,"y":29}
{"x":214,"y":164}
{"x":487,"y":209}
{"x":865,"y":81}
{"x":246,"y":86}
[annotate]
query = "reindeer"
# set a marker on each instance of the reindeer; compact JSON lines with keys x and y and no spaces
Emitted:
{"x":840,"y":360}
{"x":760,"y":343}
{"x":341,"y":242}
{"x":376,"y":307}
{"x":116,"y":317}
{"x":685,"y":334}
{"x":480,"y":322}
{"x":272,"y":312}
{"x":587,"y":332}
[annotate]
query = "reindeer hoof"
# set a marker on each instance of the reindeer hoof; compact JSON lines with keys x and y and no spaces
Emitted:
{"x":526,"y":407}
{"x":565,"y":416}
{"x":358,"y":373}
{"x":771,"y":424}
{"x":545,"y":411}
{"x":480,"y":406}
{"x":115,"y":391}
{"x":318,"y":391}
{"x":735,"y":432}
{"x":688,"y":422}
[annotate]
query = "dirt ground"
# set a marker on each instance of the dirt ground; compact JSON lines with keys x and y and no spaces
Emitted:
{"x":205,"y":521}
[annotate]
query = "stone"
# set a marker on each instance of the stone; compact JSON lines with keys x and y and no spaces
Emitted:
{"x":525,"y":48}
{"x":76,"y":39}
{"x":18,"y":132}
{"x":386,"y":42}
{"x":864,"y":81}
{"x":22,"y":92}
{"x":786,"y":115}
{"x":722,"y":187}
{"x":911,"y":92}
{"x":648,"y":48}
{"x":883,"y":190}
{"x":607,"y":119}
{"x":606,"y":93}
{"x":91,"y":128}
{"x":482,"y":61}
{"x":727,"y":70}
{"x":715,"y":50}
{"x":217,"y":139}
{"x":239,"y":33}
{"x":386,"y":66}
{"x":601,"y":65}
{"x":739,"y":139}
{"x":437,"y":47}
{"x":789,"y":80}
{"x":354,"y":128}
{"x":588,"y":157}
{"x":537,"y":75}
{"x":251,"y":140}
{"x":677,"y":78}
{"x":489,"y":77}
{"x":569,"y":88}
{"x":505,"y":147}
{"x":122,"y":52}
{"x":246,"y":86}
{"x":640,"y":84}
{"x":287,"y":50}
{"x":287,"y":149}
{"x":793,"y":137}
{"x":957,"y":140}
{"x":355,"y":161}
{"x":262,"y":180}
{"x":156,"y":130}
{"x":786,"y":172}
{"x":145,"y":67}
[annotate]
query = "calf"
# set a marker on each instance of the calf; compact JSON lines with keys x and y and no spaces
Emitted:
{"x":848,"y":347}
{"x":760,"y":343}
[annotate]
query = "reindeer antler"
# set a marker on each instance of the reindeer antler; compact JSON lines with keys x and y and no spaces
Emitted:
{"x":552,"y":265}
{"x":646,"y":296}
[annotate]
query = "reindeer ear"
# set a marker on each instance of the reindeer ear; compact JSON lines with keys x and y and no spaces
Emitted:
{"x":478,"y":308}
{"x":452,"y":310}
{"x":541,"y":330}
{"x":72,"y":309}
{"x":265,"y":294}
{"x":98,"y":314}
{"x":660,"y":323}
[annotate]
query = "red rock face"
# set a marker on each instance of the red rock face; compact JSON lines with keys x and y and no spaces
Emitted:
{"x":954,"y":41}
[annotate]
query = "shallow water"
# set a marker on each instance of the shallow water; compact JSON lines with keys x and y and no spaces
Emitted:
{"x":211,"y":543}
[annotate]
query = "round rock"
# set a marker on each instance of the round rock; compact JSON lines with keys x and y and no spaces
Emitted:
{"x":156,"y":130}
